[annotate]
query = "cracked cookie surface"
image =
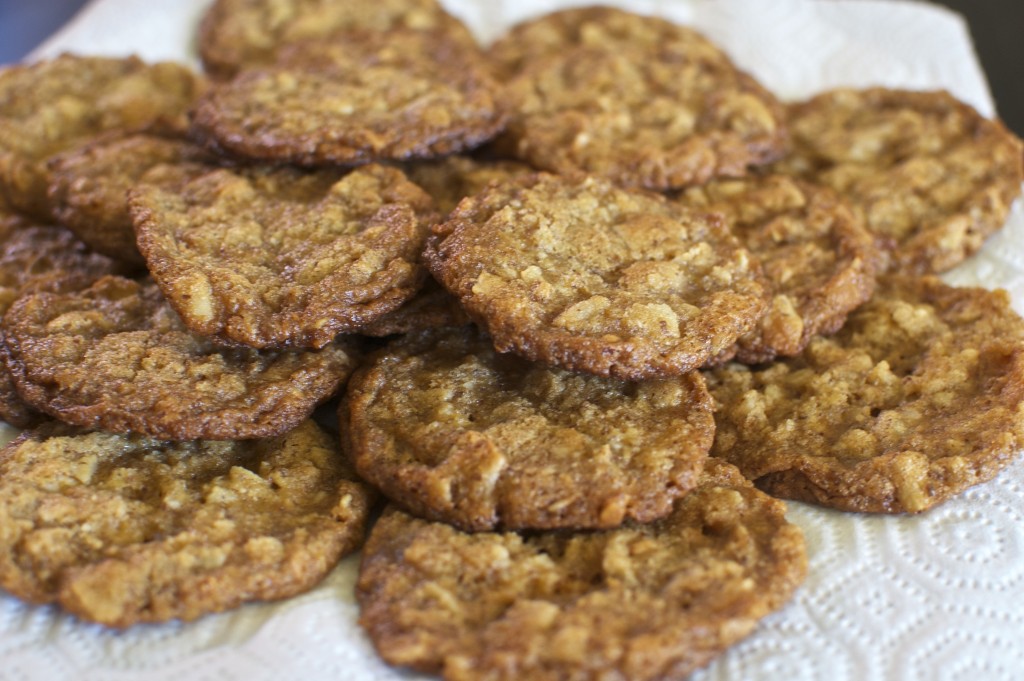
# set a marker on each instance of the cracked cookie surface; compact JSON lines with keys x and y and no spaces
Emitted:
{"x":575,"y":272}
{"x":918,"y":397}
{"x":641,"y":602}
{"x":455,"y":432}
{"x":122,"y":529}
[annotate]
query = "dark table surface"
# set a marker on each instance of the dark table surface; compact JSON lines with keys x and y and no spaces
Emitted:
{"x":996,"y":25}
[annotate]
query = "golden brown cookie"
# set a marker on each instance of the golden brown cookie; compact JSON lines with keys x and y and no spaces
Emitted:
{"x":642,"y":602}
{"x":932,"y":177}
{"x":454,"y":178}
{"x":432,"y":308}
{"x":53,"y":106}
{"x":918,"y":397}
{"x":818,"y":258}
{"x":122,"y":529}
{"x":268,"y":257}
{"x":89,"y":186}
{"x":453,"y":431}
{"x":642,"y":117}
{"x":580,"y":274}
{"x":116,"y":357}
{"x":36,"y":258}
{"x":607,"y":28}
{"x":354,"y":99}
{"x":241,"y":34}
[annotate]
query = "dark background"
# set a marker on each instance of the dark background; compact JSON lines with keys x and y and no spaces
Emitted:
{"x":996,"y":25}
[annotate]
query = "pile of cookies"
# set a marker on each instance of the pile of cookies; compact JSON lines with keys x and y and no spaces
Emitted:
{"x":587,"y":306}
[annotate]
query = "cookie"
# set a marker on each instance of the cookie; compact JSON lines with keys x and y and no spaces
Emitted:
{"x":607,"y":28}
{"x":432,"y":308}
{"x":245,"y":34}
{"x":116,"y":357}
{"x":641,"y":117}
{"x":36,"y":258}
{"x":818,"y":258}
{"x":453,"y":431}
{"x":354,"y":99}
{"x":122,"y":529}
{"x":918,"y":397}
{"x":51,"y":107}
{"x":641,"y":602}
{"x":270,"y":257}
{"x":89,"y":185}
{"x":13,"y":409}
{"x":577,"y":273}
{"x":454,"y":178}
{"x":932,"y":177}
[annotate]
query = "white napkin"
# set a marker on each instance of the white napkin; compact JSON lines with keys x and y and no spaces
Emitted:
{"x":932,"y":598}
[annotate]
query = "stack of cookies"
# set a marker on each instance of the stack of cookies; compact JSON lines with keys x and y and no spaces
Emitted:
{"x":591,"y":302}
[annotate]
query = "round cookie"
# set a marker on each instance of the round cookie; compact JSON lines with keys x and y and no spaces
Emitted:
{"x":354,"y":99}
{"x":243,"y":34}
{"x":89,"y":185}
{"x":818,"y":258}
{"x":642,"y":117}
{"x":454,"y":178}
{"x":269,"y":257}
{"x":122,"y":529}
{"x":601,"y":27}
{"x":577,"y":273}
{"x":116,"y":357}
{"x":36,"y":258}
{"x":453,"y":431}
{"x":51,"y":107}
{"x":642,"y":602}
{"x":932,"y":177}
{"x":918,"y":397}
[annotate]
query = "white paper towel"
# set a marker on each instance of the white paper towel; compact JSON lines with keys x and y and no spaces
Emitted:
{"x":931,"y":598}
